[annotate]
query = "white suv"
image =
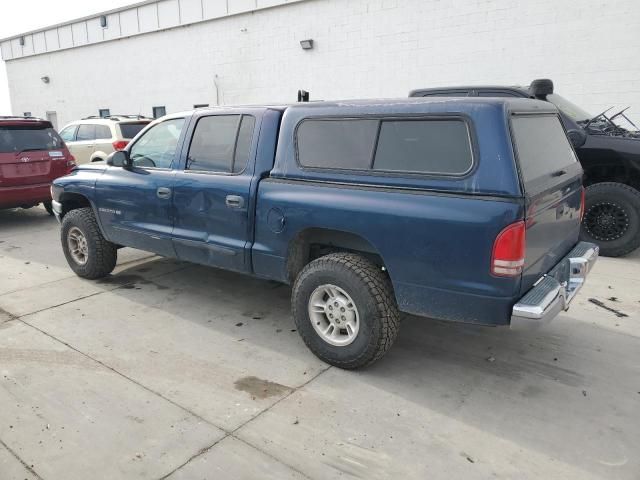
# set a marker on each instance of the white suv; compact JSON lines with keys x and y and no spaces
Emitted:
{"x":93,"y":138}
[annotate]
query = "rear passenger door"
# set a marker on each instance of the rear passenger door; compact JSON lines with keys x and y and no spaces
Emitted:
{"x":85,"y":142}
{"x":212,"y":191}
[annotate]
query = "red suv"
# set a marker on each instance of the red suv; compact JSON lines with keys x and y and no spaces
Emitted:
{"x":32,"y":155}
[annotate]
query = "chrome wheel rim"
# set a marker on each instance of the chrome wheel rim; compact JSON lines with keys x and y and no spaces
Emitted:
{"x":334,"y":315}
{"x":78,"y":248}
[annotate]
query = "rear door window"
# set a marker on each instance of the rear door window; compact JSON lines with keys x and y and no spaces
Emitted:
{"x":25,"y":138}
{"x":542,"y":146}
{"x":221,"y":143}
{"x":86,"y":132}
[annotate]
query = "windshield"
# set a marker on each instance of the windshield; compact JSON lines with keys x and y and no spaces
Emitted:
{"x":24,"y":138}
{"x":565,"y":106}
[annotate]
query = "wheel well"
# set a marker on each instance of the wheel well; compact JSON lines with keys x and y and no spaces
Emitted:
{"x":317,"y":242}
{"x":72,"y":201}
{"x":611,"y":173}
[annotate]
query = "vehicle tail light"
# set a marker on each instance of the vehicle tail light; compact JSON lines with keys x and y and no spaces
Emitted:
{"x":509,"y":249}
{"x":71,"y":161}
{"x":120,"y":144}
{"x":582,"y":203}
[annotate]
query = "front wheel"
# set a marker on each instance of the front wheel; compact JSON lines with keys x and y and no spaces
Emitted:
{"x":88,"y":253}
{"x":612,"y":218}
{"x":345,"y":310}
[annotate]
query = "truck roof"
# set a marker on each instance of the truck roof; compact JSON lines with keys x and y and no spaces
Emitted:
{"x":523,"y":88}
{"x":388,"y":105}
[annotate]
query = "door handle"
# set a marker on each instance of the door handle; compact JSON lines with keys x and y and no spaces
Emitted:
{"x":163,"y":192}
{"x":234,"y":201}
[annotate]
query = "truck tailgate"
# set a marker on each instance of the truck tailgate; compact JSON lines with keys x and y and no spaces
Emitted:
{"x":552,"y":182}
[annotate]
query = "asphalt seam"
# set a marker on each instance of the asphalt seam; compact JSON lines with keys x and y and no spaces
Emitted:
{"x":22,"y":462}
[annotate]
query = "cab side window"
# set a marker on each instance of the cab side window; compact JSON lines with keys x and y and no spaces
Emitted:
{"x":157,"y":147}
{"x":221,"y":143}
{"x":68,"y":134}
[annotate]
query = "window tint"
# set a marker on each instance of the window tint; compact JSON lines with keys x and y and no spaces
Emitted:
{"x":68,"y":133}
{"x":337,"y":143}
{"x":103,"y":132}
{"x":221,"y":143}
{"x":425,"y":146}
{"x":541,"y":144}
{"x":86,"y":132}
{"x":130,"y":130}
{"x":243,"y":146}
{"x":24,"y":138}
{"x":157,"y":147}
{"x":213,"y":144}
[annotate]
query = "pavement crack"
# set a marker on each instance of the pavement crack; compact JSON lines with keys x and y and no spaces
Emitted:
{"x":22,"y":462}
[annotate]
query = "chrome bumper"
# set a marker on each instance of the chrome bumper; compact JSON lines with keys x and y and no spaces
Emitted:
{"x":57,"y":209}
{"x":553,"y":292}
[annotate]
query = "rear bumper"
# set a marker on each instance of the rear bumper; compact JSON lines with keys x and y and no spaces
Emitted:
{"x":554,"y":292}
{"x":24,"y":195}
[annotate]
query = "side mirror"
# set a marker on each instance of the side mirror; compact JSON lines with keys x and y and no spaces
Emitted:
{"x":577,"y":136}
{"x":119,"y":159}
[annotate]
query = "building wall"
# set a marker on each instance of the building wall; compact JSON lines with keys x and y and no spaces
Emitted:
{"x":363,"y":48}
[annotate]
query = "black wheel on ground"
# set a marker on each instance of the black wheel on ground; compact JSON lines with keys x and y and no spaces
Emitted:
{"x":48,"y":207}
{"x":612,"y":218}
{"x":88,"y":253}
{"x":345,"y":311}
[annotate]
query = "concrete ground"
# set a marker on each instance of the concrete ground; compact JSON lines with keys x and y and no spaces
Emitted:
{"x":169,"y":370}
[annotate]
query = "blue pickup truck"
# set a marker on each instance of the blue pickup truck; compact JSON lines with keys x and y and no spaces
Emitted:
{"x":456,"y":209}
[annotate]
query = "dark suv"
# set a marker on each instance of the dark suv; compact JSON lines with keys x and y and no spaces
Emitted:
{"x":608,"y":147}
{"x":32,"y":155}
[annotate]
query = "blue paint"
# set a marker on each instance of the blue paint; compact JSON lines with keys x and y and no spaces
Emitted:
{"x":434,"y":234}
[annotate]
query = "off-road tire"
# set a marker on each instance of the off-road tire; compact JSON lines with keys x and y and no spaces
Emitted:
{"x":625,"y":197}
{"x":102,"y":254}
{"x":48,"y":207}
{"x":372,"y":293}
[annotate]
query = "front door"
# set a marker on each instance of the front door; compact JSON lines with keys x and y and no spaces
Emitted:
{"x":212,"y":192}
{"x":135,"y":205}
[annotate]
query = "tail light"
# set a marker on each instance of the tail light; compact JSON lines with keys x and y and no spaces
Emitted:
{"x":71,"y":161}
{"x":509,"y":249}
{"x":582,"y":203}
{"x":120,"y":144}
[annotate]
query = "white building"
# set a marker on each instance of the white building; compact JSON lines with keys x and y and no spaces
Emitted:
{"x":179,"y":53}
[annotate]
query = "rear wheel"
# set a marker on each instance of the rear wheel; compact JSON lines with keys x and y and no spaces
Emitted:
{"x":88,"y":253}
{"x":48,"y":207}
{"x":612,"y":218}
{"x":345,"y":310}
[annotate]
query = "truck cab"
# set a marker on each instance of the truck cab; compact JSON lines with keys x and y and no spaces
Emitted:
{"x":458,"y":209}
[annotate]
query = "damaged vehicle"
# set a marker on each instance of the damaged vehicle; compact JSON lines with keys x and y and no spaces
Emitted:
{"x":608,"y":147}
